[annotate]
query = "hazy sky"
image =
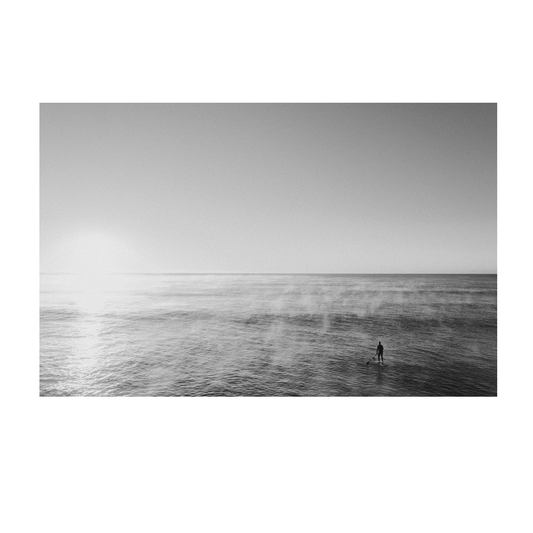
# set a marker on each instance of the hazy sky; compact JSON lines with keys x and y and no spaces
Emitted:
{"x":362,"y":188}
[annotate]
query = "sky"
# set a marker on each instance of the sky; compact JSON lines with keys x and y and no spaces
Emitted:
{"x":268,"y":188}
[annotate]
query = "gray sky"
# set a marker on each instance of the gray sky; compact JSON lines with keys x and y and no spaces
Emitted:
{"x":362,"y":188}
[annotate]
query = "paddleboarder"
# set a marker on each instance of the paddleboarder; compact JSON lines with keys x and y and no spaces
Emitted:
{"x":379,"y":351}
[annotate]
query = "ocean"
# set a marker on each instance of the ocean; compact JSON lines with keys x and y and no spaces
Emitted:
{"x":268,"y":335}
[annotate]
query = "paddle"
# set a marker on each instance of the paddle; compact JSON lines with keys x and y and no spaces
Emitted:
{"x":371,"y":359}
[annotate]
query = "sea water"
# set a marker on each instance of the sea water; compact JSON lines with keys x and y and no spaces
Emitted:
{"x":268,"y":335}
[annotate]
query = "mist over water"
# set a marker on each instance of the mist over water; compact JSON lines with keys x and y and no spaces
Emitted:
{"x":268,"y":335}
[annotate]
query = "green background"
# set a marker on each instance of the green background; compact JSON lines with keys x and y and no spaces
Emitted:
{"x":257,"y":474}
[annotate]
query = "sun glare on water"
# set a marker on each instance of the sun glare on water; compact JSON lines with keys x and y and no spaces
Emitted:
{"x":96,"y":258}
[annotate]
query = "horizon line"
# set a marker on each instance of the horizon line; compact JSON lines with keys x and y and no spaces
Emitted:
{"x":270,"y":273}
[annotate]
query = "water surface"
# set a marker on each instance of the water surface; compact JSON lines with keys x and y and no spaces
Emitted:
{"x":268,"y":335}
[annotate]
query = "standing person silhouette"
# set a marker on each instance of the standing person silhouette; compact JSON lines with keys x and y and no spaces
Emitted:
{"x":379,"y":351}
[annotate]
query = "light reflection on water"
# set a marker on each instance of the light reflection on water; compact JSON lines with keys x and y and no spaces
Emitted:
{"x":268,"y":335}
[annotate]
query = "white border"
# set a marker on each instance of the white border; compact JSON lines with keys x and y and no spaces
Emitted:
{"x":30,"y":403}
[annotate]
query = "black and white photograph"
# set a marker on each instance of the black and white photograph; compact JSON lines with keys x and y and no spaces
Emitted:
{"x":259,"y":249}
